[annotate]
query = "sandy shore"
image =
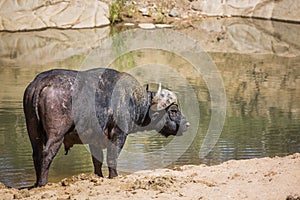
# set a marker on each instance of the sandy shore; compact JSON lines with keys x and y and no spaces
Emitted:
{"x":264,"y":178}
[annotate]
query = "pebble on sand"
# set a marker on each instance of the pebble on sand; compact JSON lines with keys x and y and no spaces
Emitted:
{"x":147,"y":26}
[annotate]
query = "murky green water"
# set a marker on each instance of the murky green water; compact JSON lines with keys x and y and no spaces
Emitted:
{"x":262,"y":85}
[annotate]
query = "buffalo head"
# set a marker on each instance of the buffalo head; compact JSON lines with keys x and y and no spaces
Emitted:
{"x":166,"y":118}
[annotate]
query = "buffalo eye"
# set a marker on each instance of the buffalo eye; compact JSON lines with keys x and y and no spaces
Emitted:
{"x":173,"y":110}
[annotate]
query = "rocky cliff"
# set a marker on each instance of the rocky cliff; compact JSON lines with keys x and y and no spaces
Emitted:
{"x":286,"y":10}
{"x":16,"y":15}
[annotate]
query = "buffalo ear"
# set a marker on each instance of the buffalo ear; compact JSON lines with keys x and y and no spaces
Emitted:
{"x":147,"y":87}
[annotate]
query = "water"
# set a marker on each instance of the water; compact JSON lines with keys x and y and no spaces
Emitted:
{"x":262,"y":87}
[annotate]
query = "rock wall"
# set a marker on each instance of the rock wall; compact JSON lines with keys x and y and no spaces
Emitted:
{"x":286,"y":10}
{"x":16,"y":15}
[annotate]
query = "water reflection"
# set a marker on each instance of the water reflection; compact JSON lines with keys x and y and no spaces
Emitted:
{"x":263,"y":102}
{"x":14,"y":149}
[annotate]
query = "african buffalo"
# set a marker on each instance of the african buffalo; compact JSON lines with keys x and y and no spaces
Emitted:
{"x":99,"y":107}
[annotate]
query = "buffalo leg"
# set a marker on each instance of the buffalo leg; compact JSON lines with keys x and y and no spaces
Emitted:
{"x":113,"y":150}
{"x":37,"y":146}
{"x":51,"y":149}
{"x":55,"y":116}
{"x":97,"y":158}
{"x":34,"y":130}
{"x":55,"y":136}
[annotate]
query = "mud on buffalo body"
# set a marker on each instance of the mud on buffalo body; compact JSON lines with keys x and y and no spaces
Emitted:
{"x":99,"y":107}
